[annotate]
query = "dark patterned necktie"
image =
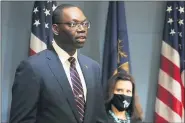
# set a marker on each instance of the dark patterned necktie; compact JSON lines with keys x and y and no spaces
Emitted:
{"x":77,"y":88}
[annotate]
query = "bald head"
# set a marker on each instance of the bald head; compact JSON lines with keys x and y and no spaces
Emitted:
{"x":61,"y":11}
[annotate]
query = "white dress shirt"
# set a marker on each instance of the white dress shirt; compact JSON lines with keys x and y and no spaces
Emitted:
{"x":64,"y":56}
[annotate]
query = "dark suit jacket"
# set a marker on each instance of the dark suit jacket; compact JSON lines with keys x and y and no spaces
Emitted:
{"x":41,"y":92}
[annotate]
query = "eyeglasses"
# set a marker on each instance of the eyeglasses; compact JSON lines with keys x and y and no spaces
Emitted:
{"x":75,"y":25}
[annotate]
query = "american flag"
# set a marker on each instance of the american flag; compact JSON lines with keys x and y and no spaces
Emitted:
{"x":170,"y":95}
{"x":41,"y":33}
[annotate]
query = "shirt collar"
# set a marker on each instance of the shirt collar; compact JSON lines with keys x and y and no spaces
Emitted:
{"x":64,"y":56}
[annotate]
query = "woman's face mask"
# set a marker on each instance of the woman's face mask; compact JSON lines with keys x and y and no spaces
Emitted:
{"x":121,"y":101}
{"x":122,"y":94}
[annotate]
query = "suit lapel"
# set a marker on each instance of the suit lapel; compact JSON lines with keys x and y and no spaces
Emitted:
{"x":58,"y":70}
{"x":87,"y":73}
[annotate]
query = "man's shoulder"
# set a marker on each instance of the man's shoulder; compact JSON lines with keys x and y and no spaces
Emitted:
{"x":38,"y":56}
{"x":35,"y":60}
{"x":89,"y":60}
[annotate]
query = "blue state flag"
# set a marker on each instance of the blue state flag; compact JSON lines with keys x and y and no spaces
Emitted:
{"x":116,"y":56}
{"x":116,"y":47}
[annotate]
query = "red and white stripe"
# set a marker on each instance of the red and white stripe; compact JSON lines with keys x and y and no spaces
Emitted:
{"x":36,"y":45}
{"x":170,"y":96}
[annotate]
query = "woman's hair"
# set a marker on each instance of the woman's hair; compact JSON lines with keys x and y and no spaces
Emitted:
{"x":111,"y":86}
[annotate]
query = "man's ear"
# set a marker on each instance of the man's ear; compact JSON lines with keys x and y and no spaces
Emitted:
{"x":55,"y":29}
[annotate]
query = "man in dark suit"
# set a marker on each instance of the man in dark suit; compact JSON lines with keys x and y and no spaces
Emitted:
{"x":60,"y":85}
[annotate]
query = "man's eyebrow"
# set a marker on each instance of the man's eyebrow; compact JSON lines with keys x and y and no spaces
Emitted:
{"x":119,"y":88}
{"x":78,"y":20}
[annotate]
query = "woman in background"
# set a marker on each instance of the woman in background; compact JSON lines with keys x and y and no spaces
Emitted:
{"x":120,"y":104}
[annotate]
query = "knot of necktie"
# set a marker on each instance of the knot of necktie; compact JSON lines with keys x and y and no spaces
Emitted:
{"x":72,"y":60}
